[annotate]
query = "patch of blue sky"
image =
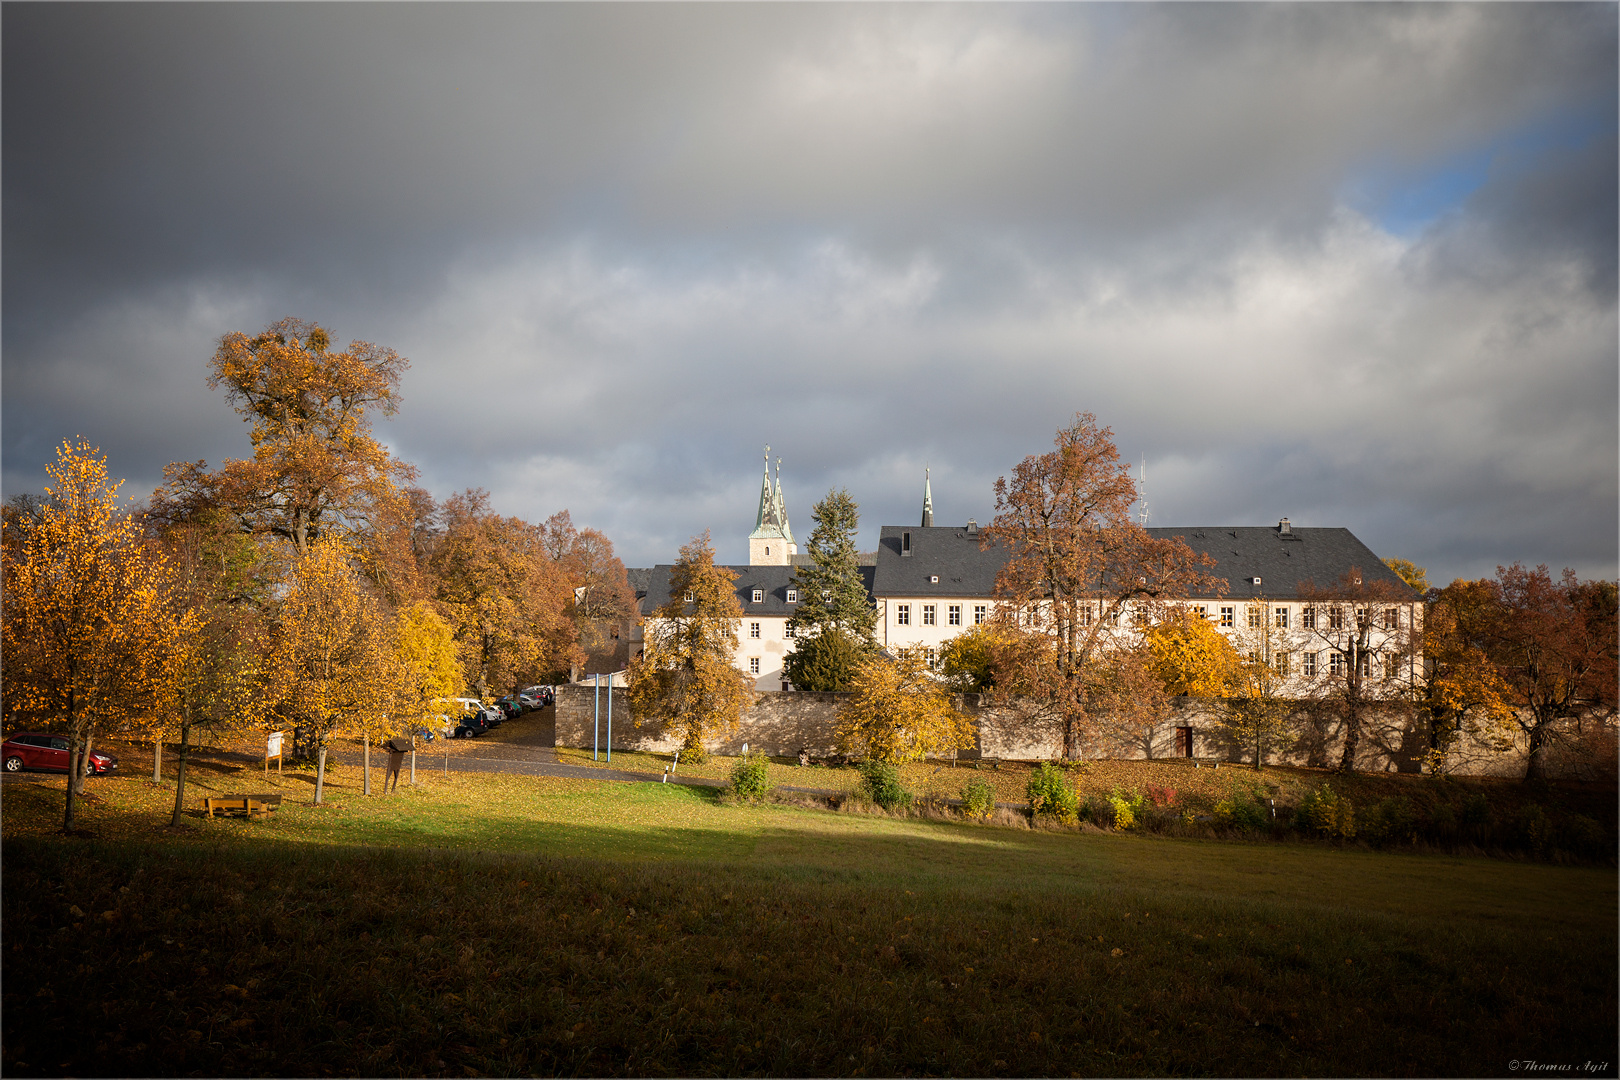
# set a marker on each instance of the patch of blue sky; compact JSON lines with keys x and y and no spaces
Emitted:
{"x":1407,"y":198}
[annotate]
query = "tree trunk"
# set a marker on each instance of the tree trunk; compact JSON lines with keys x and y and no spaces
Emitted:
{"x":1535,"y":765}
{"x":157,"y":760}
{"x":180,"y":776}
{"x":320,"y":772}
{"x":366,"y":762}
{"x":1352,"y":736}
{"x":84,"y":763}
{"x":73,"y":766}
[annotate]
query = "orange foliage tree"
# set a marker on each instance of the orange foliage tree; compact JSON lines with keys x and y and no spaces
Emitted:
{"x":86,"y":623}
{"x":504,"y":597}
{"x":602,"y":600}
{"x":1079,"y":571}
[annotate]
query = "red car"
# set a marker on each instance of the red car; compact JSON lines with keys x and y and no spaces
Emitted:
{"x":48,"y":753}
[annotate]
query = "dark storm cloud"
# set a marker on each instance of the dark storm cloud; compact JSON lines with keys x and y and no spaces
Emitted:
{"x":625,"y":246}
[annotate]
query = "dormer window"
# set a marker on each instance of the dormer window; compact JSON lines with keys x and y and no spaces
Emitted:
{"x":688,"y":598}
{"x":759,"y":596}
{"x":793,"y":596}
{"x":933,"y":579}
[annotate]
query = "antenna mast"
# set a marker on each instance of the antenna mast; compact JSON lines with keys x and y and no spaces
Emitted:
{"x":1141,"y":492}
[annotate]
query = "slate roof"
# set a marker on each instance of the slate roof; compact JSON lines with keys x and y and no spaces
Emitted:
{"x":950,"y":553}
{"x":1283,"y":561}
{"x":774,"y":580}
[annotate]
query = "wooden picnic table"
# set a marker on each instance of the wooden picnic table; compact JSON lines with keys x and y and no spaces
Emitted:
{"x":246,"y":804}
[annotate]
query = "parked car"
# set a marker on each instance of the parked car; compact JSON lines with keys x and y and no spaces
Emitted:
{"x":468,"y":726}
{"x":542,"y":695}
{"x":511,"y":707}
{"x":49,"y":753}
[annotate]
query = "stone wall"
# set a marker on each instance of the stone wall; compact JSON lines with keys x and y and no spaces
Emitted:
{"x":783,"y":723}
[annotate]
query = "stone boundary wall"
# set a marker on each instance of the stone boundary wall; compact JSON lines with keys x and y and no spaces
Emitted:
{"x":782,"y":723}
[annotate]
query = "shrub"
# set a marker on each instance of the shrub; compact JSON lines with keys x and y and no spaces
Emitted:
{"x":978,"y":798}
{"x":1327,"y":813}
{"x":1161,"y":796}
{"x":1126,"y":808}
{"x":1389,"y":821}
{"x":1534,"y":827}
{"x":1049,"y":794}
{"x":1239,"y":810}
{"x":750,"y":777}
{"x":880,"y":781}
{"x":1476,"y":810}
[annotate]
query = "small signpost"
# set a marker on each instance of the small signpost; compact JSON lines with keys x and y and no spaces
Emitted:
{"x":272,"y":749}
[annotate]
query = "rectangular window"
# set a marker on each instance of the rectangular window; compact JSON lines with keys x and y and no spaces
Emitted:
{"x":953,"y":614}
{"x":1254,"y":656}
{"x":1280,"y":618}
{"x":1392,"y":667}
{"x":1335,"y":662}
{"x":793,"y":596}
{"x":1307,"y":665}
{"x":1307,"y":618}
{"x":1226,"y":616}
{"x":978,"y":614}
{"x":1335,"y":618}
{"x":928,"y":615}
{"x":1363,"y":618}
{"x":753,"y":665}
{"x":905,"y":543}
{"x":1366,"y":666}
{"x":932,"y":656}
{"x":753,"y":629}
{"x":1110,"y":617}
{"x":1280,"y":663}
{"x":1392,"y":619}
{"x":1255,"y":615}
{"x":1202,"y":611}
{"x":759,"y":596}
{"x":789,"y":631}
{"x":902,"y":614}
{"x":688,"y":598}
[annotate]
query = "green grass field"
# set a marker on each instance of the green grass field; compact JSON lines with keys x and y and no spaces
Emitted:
{"x":502,"y":925}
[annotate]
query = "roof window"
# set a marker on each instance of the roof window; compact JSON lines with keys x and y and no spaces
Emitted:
{"x":905,"y":543}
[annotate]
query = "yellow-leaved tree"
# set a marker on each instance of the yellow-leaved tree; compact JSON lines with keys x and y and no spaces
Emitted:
{"x":432,"y":668}
{"x":685,"y":678}
{"x":899,"y":712}
{"x":1191,"y":657}
{"x":334,"y":655}
{"x":86,"y":623}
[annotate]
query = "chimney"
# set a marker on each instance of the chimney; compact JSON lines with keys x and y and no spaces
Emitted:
{"x":973,"y":527}
{"x":1282,"y":526}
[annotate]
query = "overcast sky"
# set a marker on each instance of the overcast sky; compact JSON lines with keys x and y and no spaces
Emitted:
{"x":1355,"y":265}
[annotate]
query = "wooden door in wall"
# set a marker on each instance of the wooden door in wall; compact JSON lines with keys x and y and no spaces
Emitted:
{"x":1184,"y":742}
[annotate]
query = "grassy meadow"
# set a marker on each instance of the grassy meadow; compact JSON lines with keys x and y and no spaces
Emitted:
{"x":502,"y":925}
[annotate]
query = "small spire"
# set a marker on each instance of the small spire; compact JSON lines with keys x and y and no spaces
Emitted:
{"x":928,"y":500}
{"x":764,"y":494}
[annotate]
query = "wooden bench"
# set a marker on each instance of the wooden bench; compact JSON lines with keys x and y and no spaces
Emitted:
{"x":246,"y":804}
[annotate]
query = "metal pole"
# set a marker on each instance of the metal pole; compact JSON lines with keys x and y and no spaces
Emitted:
{"x":596,"y":718}
{"x":610,"y":720}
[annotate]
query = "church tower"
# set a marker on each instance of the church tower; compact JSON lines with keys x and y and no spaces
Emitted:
{"x":928,"y":502}
{"x":771,"y":542}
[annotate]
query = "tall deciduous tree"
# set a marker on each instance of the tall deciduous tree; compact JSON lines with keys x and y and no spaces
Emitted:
{"x":1191,"y":657}
{"x":685,"y":677}
{"x":86,"y":622}
{"x":503,"y":596}
{"x":1257,"y":711}
{"x":1367,"y":629}
{"x":1554,"y":645}
{"x":1462,"y":694}
{"x":333,"y":654}
{"x":602,"y":600}
{"x":431,"y":668}
{"x":899,"y":712}
{"x":1078,"y":567}
{"x":316,"y":468}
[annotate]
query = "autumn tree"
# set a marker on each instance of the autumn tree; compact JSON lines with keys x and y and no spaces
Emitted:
{"x":86,"y":620}
{"x":1190,"y":656}
{"x":1411,"y":573}
{"x":1257,"y":709}
{"x":1079,"y":570}
{"x":899,"y":712}
{"x":685,"y":677}
{"x":1125,"y":698}
{"x":431,"y":667}
{"x":503,"y":596}
{"x":1554,"y":645}
{"x":1462,"y":695}
{"x":602,"y":600}
{"x":316,"y":469}
{"x":333,"y":653}
{"x":1365,"y":625}
{"x":969,"y":660}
